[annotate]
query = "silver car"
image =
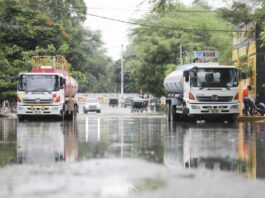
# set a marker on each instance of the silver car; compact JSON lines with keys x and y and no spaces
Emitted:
{"x":91,"y":104}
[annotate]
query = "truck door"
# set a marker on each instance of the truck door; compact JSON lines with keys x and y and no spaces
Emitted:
{"x":186,"y":84}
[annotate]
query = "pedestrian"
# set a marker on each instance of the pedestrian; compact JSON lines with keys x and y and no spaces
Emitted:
{"x":249,"y":103}
{"x":260,"y":108}
{"x":249,"y":106}
{"x":246,"y":91}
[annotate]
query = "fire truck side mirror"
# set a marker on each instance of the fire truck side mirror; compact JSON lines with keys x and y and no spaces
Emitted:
{"x":186,"y":75}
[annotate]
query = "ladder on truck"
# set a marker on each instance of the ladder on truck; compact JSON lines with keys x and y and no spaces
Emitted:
{"x":56,"y":62}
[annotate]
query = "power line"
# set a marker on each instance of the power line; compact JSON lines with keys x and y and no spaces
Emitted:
{"x":143,"y":10}
{"x":13,"y":26}
{"x":166,"y":27}
{"x":115,"y":9}
{"x":141,"y":3}
{"x":161,"y":27}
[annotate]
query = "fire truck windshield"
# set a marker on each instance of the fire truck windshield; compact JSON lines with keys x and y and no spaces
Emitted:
{"x":39,"y":83}
{"x":214,"y":77}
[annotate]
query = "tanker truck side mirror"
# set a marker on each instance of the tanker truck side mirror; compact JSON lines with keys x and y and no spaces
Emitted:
{"x":243,"y":75}
{"x":62,"y":82}
{"x":14,"y":79}
{"x":186,"y":75}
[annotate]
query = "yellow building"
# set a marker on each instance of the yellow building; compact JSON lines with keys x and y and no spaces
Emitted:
{"x":248,"y":55}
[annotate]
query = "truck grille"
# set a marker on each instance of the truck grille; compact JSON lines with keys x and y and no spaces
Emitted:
{"x":214,"y":98}
{"x":92,"y":107}
{"x":38,"y":101}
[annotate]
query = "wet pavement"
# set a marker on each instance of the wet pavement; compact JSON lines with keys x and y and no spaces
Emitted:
{"x":117,"y":140}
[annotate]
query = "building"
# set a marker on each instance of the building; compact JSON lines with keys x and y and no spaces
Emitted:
{"x":249,"y":55}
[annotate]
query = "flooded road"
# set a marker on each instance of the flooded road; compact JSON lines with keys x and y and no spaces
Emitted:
{"x":239,"y":148}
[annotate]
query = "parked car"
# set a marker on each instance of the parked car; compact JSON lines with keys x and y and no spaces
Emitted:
{"x":91,"y":104}
{"x":128,"y":102}
{"x":139,"y":105}
{"x":113,"y":102}
{"x":154,"y":104}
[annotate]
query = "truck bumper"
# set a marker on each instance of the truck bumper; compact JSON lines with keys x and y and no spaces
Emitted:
{"x":39,"y":110}
{"x":215,"y":109}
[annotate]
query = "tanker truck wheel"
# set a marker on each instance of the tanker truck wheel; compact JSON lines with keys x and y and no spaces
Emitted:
{"x":232,"y":118}
{"x":62,"y":113}
{"x":21,"y":118}
{"x":168,"y":113}
{"x":173,"y":113}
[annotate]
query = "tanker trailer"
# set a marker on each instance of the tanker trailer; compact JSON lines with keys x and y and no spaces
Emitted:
{"x":46,"y":91}
{"x":70,"y":90}
{"x":202,"y":91}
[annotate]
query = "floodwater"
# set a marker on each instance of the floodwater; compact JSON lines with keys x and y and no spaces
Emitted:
{"x":239,"y":148}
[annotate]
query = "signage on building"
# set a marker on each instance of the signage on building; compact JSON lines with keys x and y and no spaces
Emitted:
{"x":205,"y":54}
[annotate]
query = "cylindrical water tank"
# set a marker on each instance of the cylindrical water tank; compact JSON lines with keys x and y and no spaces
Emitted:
{"x":71,"y":87}
{"x":174,"y":81}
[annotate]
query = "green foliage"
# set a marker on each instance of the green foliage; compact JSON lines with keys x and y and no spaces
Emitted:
{"x":155,"y":51}
{"x":248,"y":15}
{"x":170,"y":68}
{"x":238,"y":14}
{"x":49,"y":27}
{"x":7,"y":91}
{"x":115,"y":77}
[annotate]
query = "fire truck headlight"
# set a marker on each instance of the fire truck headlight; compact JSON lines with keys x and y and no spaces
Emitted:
{"x":195,"y":107}
{"x":234,"y":107}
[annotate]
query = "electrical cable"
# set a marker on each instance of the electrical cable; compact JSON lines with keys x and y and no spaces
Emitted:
{"x":166,"y":27}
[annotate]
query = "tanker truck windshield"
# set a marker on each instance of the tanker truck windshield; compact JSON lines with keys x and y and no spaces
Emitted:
{"x":213,"y":77}
{"x":39,"y":83}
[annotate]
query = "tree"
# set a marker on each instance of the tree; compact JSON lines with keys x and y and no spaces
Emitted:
{"x":156,"y":45}
{"x":49,"y":27}
{"x":129,"y":85}
{"x":202,"y":4}
{"x":22,"y":30}
{"x":238,"y":14}
{"x":67,"y":12}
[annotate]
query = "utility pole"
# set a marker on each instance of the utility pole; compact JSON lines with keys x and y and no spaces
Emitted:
{"x":122,"y":72}
{"x":180,"y":55}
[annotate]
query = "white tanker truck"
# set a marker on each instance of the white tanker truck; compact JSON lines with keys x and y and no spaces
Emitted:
{"x":48,"y":90}
{"x":202,"y":90}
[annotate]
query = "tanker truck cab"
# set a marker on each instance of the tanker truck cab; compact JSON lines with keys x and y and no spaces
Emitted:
{"x":40,"y":93}
{"x":47,"y":90}
{"x":203,"y":90}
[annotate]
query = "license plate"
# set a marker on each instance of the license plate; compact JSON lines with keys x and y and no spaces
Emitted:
{"x":37,"y":112}
{"x":214,"y":110}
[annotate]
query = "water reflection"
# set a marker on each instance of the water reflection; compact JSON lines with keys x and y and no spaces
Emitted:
{"x":207,"y":146}
{"x":239,"y":148}
{"x":45,"y":142}
{"x":251,"y":149}
{"x":37,"y":142}
{"x":70,"y":142}
{"x":121,"y":138}
{"x":8,"y":141}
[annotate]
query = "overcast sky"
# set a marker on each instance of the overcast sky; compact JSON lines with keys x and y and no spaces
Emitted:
{"x":114,"y":34}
